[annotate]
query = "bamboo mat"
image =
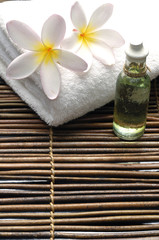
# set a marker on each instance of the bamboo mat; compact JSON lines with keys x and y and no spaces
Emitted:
{"x":77,"y":181}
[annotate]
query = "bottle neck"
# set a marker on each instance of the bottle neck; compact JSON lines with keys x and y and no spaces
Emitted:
{"x":135,"y":69}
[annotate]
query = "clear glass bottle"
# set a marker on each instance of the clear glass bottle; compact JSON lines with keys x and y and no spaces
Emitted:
{"x":132,"y":95}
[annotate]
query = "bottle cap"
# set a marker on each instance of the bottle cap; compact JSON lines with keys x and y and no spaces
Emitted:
{"x":136,"y":52}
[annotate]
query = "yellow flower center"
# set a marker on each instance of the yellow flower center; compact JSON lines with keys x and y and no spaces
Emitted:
{"x":46,"y":54}
{"x":83,"y":35}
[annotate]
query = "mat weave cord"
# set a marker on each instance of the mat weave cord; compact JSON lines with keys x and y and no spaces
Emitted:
{"x":52,"y":185}
{"x":77,"y":181}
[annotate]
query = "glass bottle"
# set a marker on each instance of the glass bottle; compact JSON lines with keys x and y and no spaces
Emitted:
{"x":132,"y":95}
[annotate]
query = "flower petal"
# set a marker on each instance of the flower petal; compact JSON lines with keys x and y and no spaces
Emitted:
{"x":73,"y":42}
{"x":24,"y":65}
{"x":109,"y":36}
{"x":24,"y":36}
{"x":78,"y":17}
{"x":53,"y":31}
{"x":102,"y":52}
{"x":70,"y":60}
{"x":50,"y":79}
{"x":85,"y":53}
{"x":100,"y":16}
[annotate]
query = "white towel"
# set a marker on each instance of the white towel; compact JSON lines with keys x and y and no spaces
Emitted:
{"x":80,"y":93}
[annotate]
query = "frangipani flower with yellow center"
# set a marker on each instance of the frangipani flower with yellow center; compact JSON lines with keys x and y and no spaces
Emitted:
{"x":87,"y":40}
{"x":43,"y":53}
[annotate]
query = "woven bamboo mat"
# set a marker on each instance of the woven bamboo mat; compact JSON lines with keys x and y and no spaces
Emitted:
{"x":77,"y":181}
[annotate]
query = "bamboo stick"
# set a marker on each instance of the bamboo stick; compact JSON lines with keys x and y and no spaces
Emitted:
{"x":9,"y":95}
{"x":82,"y":166}
{"x":105,"y":220}
{"x":105,"y":150}
{"x":21,"y":121}
{"x":106,"y":173}
{"x":98,"y":186}
{"x":105,"y":144}
{"x":80,"y":228}
{"x":81,"y":155}
{"x":34,"y":215}
{"x":17,"y":104}
{"x":24,"y":139}
{"x":106,"y":117}
{"x":24,"y":150}
{"x":95,"y":117}
{"x":105,"y":213}
{"x":25,"y":159}
{"x":99,"y":137}
{"x":25,"y":166}
{"x":25,"y":222}
{"x":82,"y":221}
{"x":81,"y":214}
{"x":82,"y":198}
{"x":152,"y":130}
{"x":87,"y":125}
{"x":106,"y":228}
{"x":81,"y":206}
{"x":4,"y":87}
{"x":23,"y":126}
{"x":81,"y":173}
{"x":24,"y":131}
{"x":12,"y":192}
{"x":24,"y":145}
{"x":102,"y":179}
{"x":108,"y":191}
{"x":17,"y":115}
{"x":26,"y":186}
{"x":17,"y":110}
{"x":27,"y":172}
{"x":104,"y":158}
{"x":104,"y":206}
{"x":25,"y":228}
{"x":80,"y":179}
{"x":132,"y":166}
{"x":97,"y":173}
{"x":23,"y":200}
{"x":78,"y":158}
{"x":107,"y":234}
{"x":8,"y":100}
{"x":24,"y":155}
{"x":145,"y":238}
{"x":107,"y":131}
{"x":152,"y":118}
{"x":25,"y":207}
{"x":106,"y":198}
{"x":18,"y":193}
{"x":31,"y":234}
{"x":100,"y":125}
{"x":24,"y":177}
{"x":22,"y":191}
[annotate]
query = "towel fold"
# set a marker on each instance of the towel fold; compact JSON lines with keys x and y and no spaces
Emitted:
{"x":80,"y":93}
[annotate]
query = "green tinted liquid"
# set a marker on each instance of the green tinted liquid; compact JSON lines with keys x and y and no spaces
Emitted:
{"x":131,"y":104}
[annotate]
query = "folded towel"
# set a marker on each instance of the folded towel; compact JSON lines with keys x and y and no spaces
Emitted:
{"x":80,"y":93}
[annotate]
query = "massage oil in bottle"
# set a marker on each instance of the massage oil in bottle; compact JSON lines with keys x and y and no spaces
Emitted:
{"x":132,"y":95}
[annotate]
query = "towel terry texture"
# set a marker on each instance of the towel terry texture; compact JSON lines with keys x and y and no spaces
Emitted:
{"x":84,"y":92}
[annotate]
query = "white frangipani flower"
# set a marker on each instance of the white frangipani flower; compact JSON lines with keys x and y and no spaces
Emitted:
{"x":43,"y":53}
{"x":87,"y":40}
